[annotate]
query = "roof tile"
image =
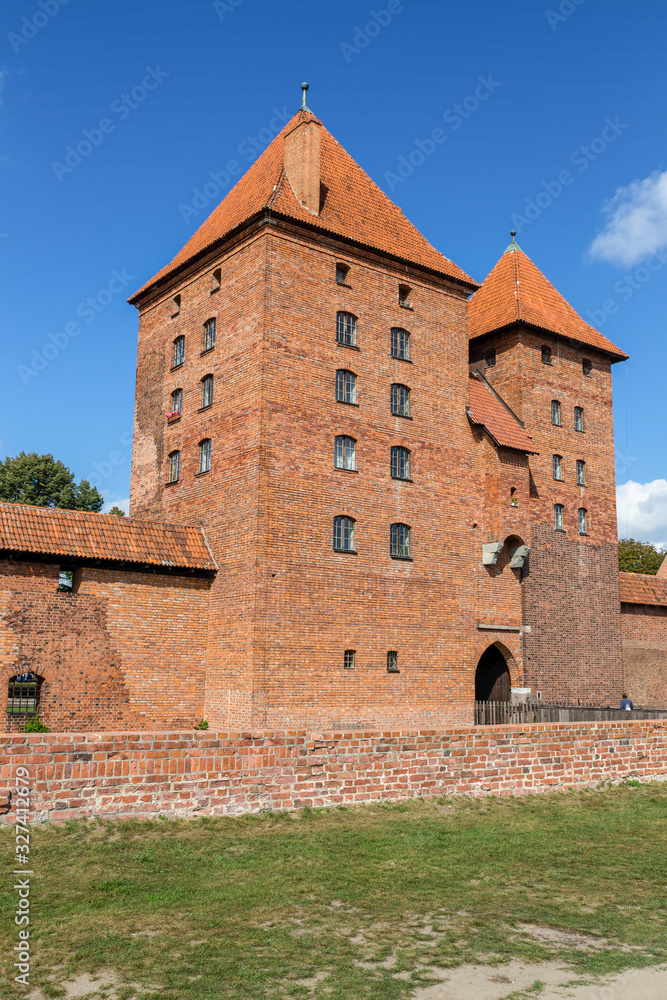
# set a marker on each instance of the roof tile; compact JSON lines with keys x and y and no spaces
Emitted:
{"x":486,"y":408}
{"x":640,"y":588}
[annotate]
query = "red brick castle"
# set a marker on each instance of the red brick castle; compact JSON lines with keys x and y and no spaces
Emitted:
{"x":365,"y":489}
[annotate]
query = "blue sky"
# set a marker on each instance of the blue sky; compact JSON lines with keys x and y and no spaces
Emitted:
{"x":559,"y":133}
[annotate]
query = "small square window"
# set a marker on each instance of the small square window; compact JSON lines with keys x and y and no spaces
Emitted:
{"x":392,"y":662}
{"x":66,"y":579}
{"x":349,"y":658}
{"x":404,"y":296}
{"x":342,"y":271}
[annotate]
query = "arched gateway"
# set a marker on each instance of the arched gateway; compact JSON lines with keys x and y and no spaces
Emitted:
{"x":492,"y":677}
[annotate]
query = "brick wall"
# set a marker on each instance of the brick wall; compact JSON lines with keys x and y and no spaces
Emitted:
{"x":645,"y":653}
{"x":74,"y":775}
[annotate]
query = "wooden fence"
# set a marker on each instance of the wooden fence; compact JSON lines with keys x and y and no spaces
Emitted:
{"x":498,"y":713}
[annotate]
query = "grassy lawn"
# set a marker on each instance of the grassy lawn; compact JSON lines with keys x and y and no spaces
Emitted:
{"x":347,"y":903}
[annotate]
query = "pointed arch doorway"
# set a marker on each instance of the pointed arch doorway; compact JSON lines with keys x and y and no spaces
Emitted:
{"x":492,"y":677}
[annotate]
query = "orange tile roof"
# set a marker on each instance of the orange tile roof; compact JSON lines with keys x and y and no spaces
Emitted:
{"x":640,"y":588}
{"x":662,"y":572}
{"x":488,"y":410}
{"x":50,"y":531}
{"x":517,"y":291}
{"x":354,"y":207}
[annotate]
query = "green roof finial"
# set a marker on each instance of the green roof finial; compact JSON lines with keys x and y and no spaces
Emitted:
{"x":513,"y":245}
{"x":304,"y":106}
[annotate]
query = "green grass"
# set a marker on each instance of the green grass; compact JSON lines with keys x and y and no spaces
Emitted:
{"x":246,"y":907}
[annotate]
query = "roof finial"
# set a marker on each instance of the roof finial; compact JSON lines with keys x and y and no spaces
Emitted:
{"x":513,"y":234}
{"x":304,"y":106}
{"x":513,"y":245}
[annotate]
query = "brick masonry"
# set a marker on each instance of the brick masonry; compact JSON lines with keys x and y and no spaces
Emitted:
{"x":645,"y":653}
{"x":144,"y":774}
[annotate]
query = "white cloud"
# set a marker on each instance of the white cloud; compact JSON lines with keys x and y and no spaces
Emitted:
{"x":636,"y":222}
{"x":642,"y":511}
{"x":123,"y":504}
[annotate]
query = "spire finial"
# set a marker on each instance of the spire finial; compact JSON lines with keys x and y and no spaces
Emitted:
{"x":513,"y":234}
{"x":513,"y":245}
{"x":304,"y":106}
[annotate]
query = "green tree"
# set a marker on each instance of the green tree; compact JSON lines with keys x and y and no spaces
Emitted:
{"x":117,"y":511}
{"x":639,"y":557}
{"x":42,"y":482}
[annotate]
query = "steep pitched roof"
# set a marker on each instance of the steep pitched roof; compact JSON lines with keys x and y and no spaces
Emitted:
{"x":517,"y":291}
{"x":488,"y":410}
{"x":353,"y":207}
{"x":662,"y":572}
{"x":640,"y":588}
{"x":50,"y":531}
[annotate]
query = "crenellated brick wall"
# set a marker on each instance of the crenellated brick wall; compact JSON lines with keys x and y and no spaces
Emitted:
{"x":187,"y":774}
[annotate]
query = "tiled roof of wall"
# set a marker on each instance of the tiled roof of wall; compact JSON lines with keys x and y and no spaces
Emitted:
{"x":640,"y":588}
{"x":487,"y":409}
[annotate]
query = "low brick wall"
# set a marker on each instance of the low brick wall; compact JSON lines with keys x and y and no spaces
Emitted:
{"x":142,"y":774}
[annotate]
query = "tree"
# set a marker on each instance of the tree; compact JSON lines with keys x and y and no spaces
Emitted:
{"x":117,"y":511}
{"x":40,"y":481}
{"x":639,"y":557}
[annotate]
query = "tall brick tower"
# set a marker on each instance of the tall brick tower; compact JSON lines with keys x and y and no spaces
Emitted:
{"x":555,"y":371}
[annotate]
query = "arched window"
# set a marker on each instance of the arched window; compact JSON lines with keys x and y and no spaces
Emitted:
{"x":546,"y":354}
{"x":583,"y":521}
{"x":23,"y":692}
{"x":345,"y":453}
{"x":555,"y":413}
{"x":346,"y":386}
{"x":346,"y":329}
{"x":176,"y":403}
{"x":400,"y":463}
{"x":209,"y":334}
{"x":586,"y":366}
{"x":558,"y":516}
{"x":558,"y":466}
{"x":400,"y":400}
{"x":578,"y":418}
{"x":174,"y":466}
{"x":343,"y":534}
{"x":179,"y":352}
{"x":400,"y":343}
{"x":206,"y":391}
{"x":581,"y":472}
{"x":399,"y":541}
{"x":205,"y":455}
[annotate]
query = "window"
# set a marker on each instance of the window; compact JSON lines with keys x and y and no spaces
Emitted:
{"x":399,"y":541}
{"x":175,"y":305}
{"x":392,"y":662}
{"x":400,"y":343}
{"x":546,"y":355}
{"x":400,"y":400}
{"x":490,"y":358}
{"x":206,"y":391}
{"x":578,"y":418}
{"x":23,"y":694}
{"x":209,"y":334}
{"x":346,"y":329}
{"x":342,"y":271}
{"x":558,"y":516}
{"x":205,"y":455}
{"x":586,"y":366}
{"x":400,"y":463}
{"x":343,"y":534}
{"x":344,"y":455}
{"x":176,"y":403}
{"x":404,"y":292}
{"x":174,"y":466}
{"x":581,"y":472}
{"x":216,"y":280}
{"x":346,"y":386}
{"x":558,"y":466}
{"x":66,"y":580}
{"x":348,"y":659}
{"x":179,"y":352}
{"x":583,"y":521}
{"x":555,"y":413}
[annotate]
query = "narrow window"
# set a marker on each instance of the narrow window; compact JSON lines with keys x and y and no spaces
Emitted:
{"x":348,"y":659}
{"x":400,"y":463}
{"x":558,"y":516}
{"x":209,"y":334}
{"x":66,"y":580}
{"x":346,"y":329}
{"x":400,"y":343}
{"x":342,"y":271}
{"x":176,"y":403}
{"x":404,"y":293}
{"x":346,"y":386}
{"x":586,"y":366}
{"x":216,"y":280}
{"x":490,"y":358}
{"x":343,"y":534}
{"x":344,"y":453}
{"x":558,"y":467}
{"x":400,"y":400}
{"x":206,"y":391}
{"x":174,"y":466}
{"x":23,"y":694}
{"x":581,"y":472}
{"x":179,"y":352}
{"x":175,"y":305}
{"x":583,"y":521}
{"x":546,"y":355}
{"x":392,"y":661}
{"x":399,"y":541}
{"x":205,"y":455}
{"x":555,"y":413}
{"x":578,"y":418}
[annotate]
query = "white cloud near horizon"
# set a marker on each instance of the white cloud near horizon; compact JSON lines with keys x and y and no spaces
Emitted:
{"x":123,"y":504}
{"x":642,"y":511}
{"x":636,"y":222}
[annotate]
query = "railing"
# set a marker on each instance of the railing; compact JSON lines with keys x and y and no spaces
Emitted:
{"x":22,"y":697}
{"x":499,"y":713}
